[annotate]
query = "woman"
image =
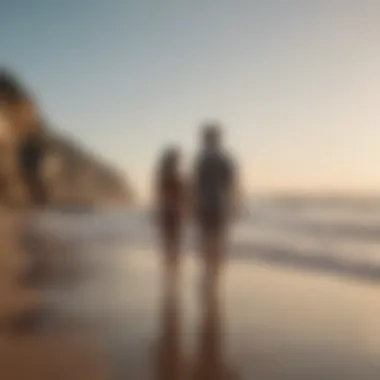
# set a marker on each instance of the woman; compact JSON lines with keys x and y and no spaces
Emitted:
{"x":170,"y":194}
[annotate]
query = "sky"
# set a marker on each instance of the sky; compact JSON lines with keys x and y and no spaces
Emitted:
{"x":296,"y":84}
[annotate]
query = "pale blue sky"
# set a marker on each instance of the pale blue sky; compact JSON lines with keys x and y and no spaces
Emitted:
{"x":296,"y":83}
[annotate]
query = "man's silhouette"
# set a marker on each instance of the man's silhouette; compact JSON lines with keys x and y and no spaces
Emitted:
{"x":214,"y":193}
{"x":170,"y":197}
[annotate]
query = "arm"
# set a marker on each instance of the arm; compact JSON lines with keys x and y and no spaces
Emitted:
{"x":193,"y":188}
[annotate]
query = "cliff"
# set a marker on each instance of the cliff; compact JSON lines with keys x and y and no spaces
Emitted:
{"x":74,"y":176}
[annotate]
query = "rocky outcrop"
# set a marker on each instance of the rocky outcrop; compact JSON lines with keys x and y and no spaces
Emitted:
{"x":79,"y":178}
{"x":74,"y":176}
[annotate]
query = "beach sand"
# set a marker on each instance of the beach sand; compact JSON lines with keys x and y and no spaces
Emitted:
{"x":267,"y":322}
{"x":27,"y":349}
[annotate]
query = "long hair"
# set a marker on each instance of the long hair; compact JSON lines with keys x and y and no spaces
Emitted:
{"x":168,"y":164}
{"x":167,"y":171}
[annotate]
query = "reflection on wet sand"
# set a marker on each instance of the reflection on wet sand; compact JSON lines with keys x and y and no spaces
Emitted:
{"x":210,"y":358}
{"x":210,"y":361}
{"x":170,"y":357}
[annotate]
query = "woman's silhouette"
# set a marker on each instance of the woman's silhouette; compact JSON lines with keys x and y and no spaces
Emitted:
{"x":170,"y":196}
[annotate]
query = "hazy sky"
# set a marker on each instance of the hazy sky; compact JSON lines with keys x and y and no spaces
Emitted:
{"x":296,"y":83}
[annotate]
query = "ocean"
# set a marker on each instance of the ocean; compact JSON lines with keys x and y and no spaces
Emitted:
{"x":338,"y":237}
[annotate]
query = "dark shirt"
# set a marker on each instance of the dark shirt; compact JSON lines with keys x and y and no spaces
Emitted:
{"x":214,"y":179}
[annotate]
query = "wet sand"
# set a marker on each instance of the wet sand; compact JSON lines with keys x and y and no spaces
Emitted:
{"x":267,"y":322}
{"x":28,"y":349}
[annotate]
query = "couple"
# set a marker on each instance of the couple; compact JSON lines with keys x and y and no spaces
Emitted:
{"x":209,"y":196}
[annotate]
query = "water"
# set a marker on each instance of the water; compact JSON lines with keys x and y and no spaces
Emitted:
{"x":342,"y":239}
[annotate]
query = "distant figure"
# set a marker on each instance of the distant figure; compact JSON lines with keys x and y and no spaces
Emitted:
{"x":32,"y":152}
{"x":171,"y":200}
{"x":214,"y":197}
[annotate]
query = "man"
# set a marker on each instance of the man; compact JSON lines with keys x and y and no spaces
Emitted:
{"x":214,"y":193}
